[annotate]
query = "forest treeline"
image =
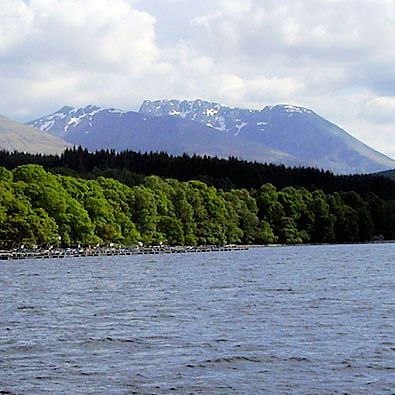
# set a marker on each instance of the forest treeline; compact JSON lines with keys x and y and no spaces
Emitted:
{"x":41,"y":208}
{"x":129,"y":167}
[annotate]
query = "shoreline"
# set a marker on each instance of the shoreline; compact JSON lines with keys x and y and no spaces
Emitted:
{"x":110,"y":251}
{"x":61,"y":253}
{"x":323,"y":244}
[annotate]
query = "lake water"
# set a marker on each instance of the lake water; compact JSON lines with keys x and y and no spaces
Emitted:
{"x":297,"y":320}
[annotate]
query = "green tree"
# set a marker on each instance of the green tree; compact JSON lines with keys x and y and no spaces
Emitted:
{"x":365,"y":223}
{"x":323,"y":229}
{"x":44,"y":191}
{"x":144,"y":213}
{"x":346,"y":225}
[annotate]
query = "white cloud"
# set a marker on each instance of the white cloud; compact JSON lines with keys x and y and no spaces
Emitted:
{"x":380,"y":110}
{"x":334,"y":56}
{"x":99,"y":34}
{"x":16,"y":21}
{"x":72,"y":49}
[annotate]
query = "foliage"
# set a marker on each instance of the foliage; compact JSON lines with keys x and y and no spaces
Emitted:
{"x":227,"y":174}
{"x":41,"y":208}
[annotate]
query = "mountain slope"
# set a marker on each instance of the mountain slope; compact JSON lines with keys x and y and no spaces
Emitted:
{"x":95,"y":128}
{"x":280,"y":134}
{"x":19,"y":137}
{"x":295,"y":130}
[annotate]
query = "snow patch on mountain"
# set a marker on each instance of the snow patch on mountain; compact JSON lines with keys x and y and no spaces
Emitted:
{"x":62,"y":121}
{"x":288,"y":109}
{"x":210,"y":112}
{"x":239,"y":127}
{"x":47,"y":125}
{"x":73,"y":122}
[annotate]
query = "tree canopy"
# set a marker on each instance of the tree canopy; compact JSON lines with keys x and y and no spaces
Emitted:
{"x":44,"y":209}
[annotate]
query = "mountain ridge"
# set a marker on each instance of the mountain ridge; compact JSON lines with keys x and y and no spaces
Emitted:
{"x":282,"y":134}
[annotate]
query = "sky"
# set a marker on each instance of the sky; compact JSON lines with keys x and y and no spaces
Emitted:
{"x":336,"y":57}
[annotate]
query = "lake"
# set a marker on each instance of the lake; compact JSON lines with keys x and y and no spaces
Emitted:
{"x":289,"y":320}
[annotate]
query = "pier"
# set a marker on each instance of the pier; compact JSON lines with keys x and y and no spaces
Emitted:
{"x":111,"y":251}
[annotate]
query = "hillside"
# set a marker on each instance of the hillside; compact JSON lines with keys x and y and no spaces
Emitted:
{"x":19,"y":137}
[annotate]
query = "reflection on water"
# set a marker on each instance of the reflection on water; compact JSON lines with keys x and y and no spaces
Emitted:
{"x":313,"y":319}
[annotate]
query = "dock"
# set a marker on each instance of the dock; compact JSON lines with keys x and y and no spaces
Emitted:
{"x":111,"y":251}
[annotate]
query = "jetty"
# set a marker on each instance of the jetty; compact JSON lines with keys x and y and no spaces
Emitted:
{"x":110,"y":251}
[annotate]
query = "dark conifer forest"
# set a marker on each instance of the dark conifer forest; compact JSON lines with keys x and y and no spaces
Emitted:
{"x":83,"y":198}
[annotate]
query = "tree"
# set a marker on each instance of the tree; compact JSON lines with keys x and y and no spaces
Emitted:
{"x":323,"y":230}
{"x":144,"y":213}
{"x":44,"y":191}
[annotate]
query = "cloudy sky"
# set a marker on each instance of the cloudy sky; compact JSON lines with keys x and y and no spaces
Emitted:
{"x":336,"y":57}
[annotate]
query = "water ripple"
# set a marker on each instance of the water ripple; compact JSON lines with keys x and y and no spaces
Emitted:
{"x":293,"y":320}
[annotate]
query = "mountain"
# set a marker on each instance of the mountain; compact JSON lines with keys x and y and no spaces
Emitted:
{"x":95,"y":129}
{"x":15,"y":136}
{"x":295,"y":130}
{"x":290,"y":135}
